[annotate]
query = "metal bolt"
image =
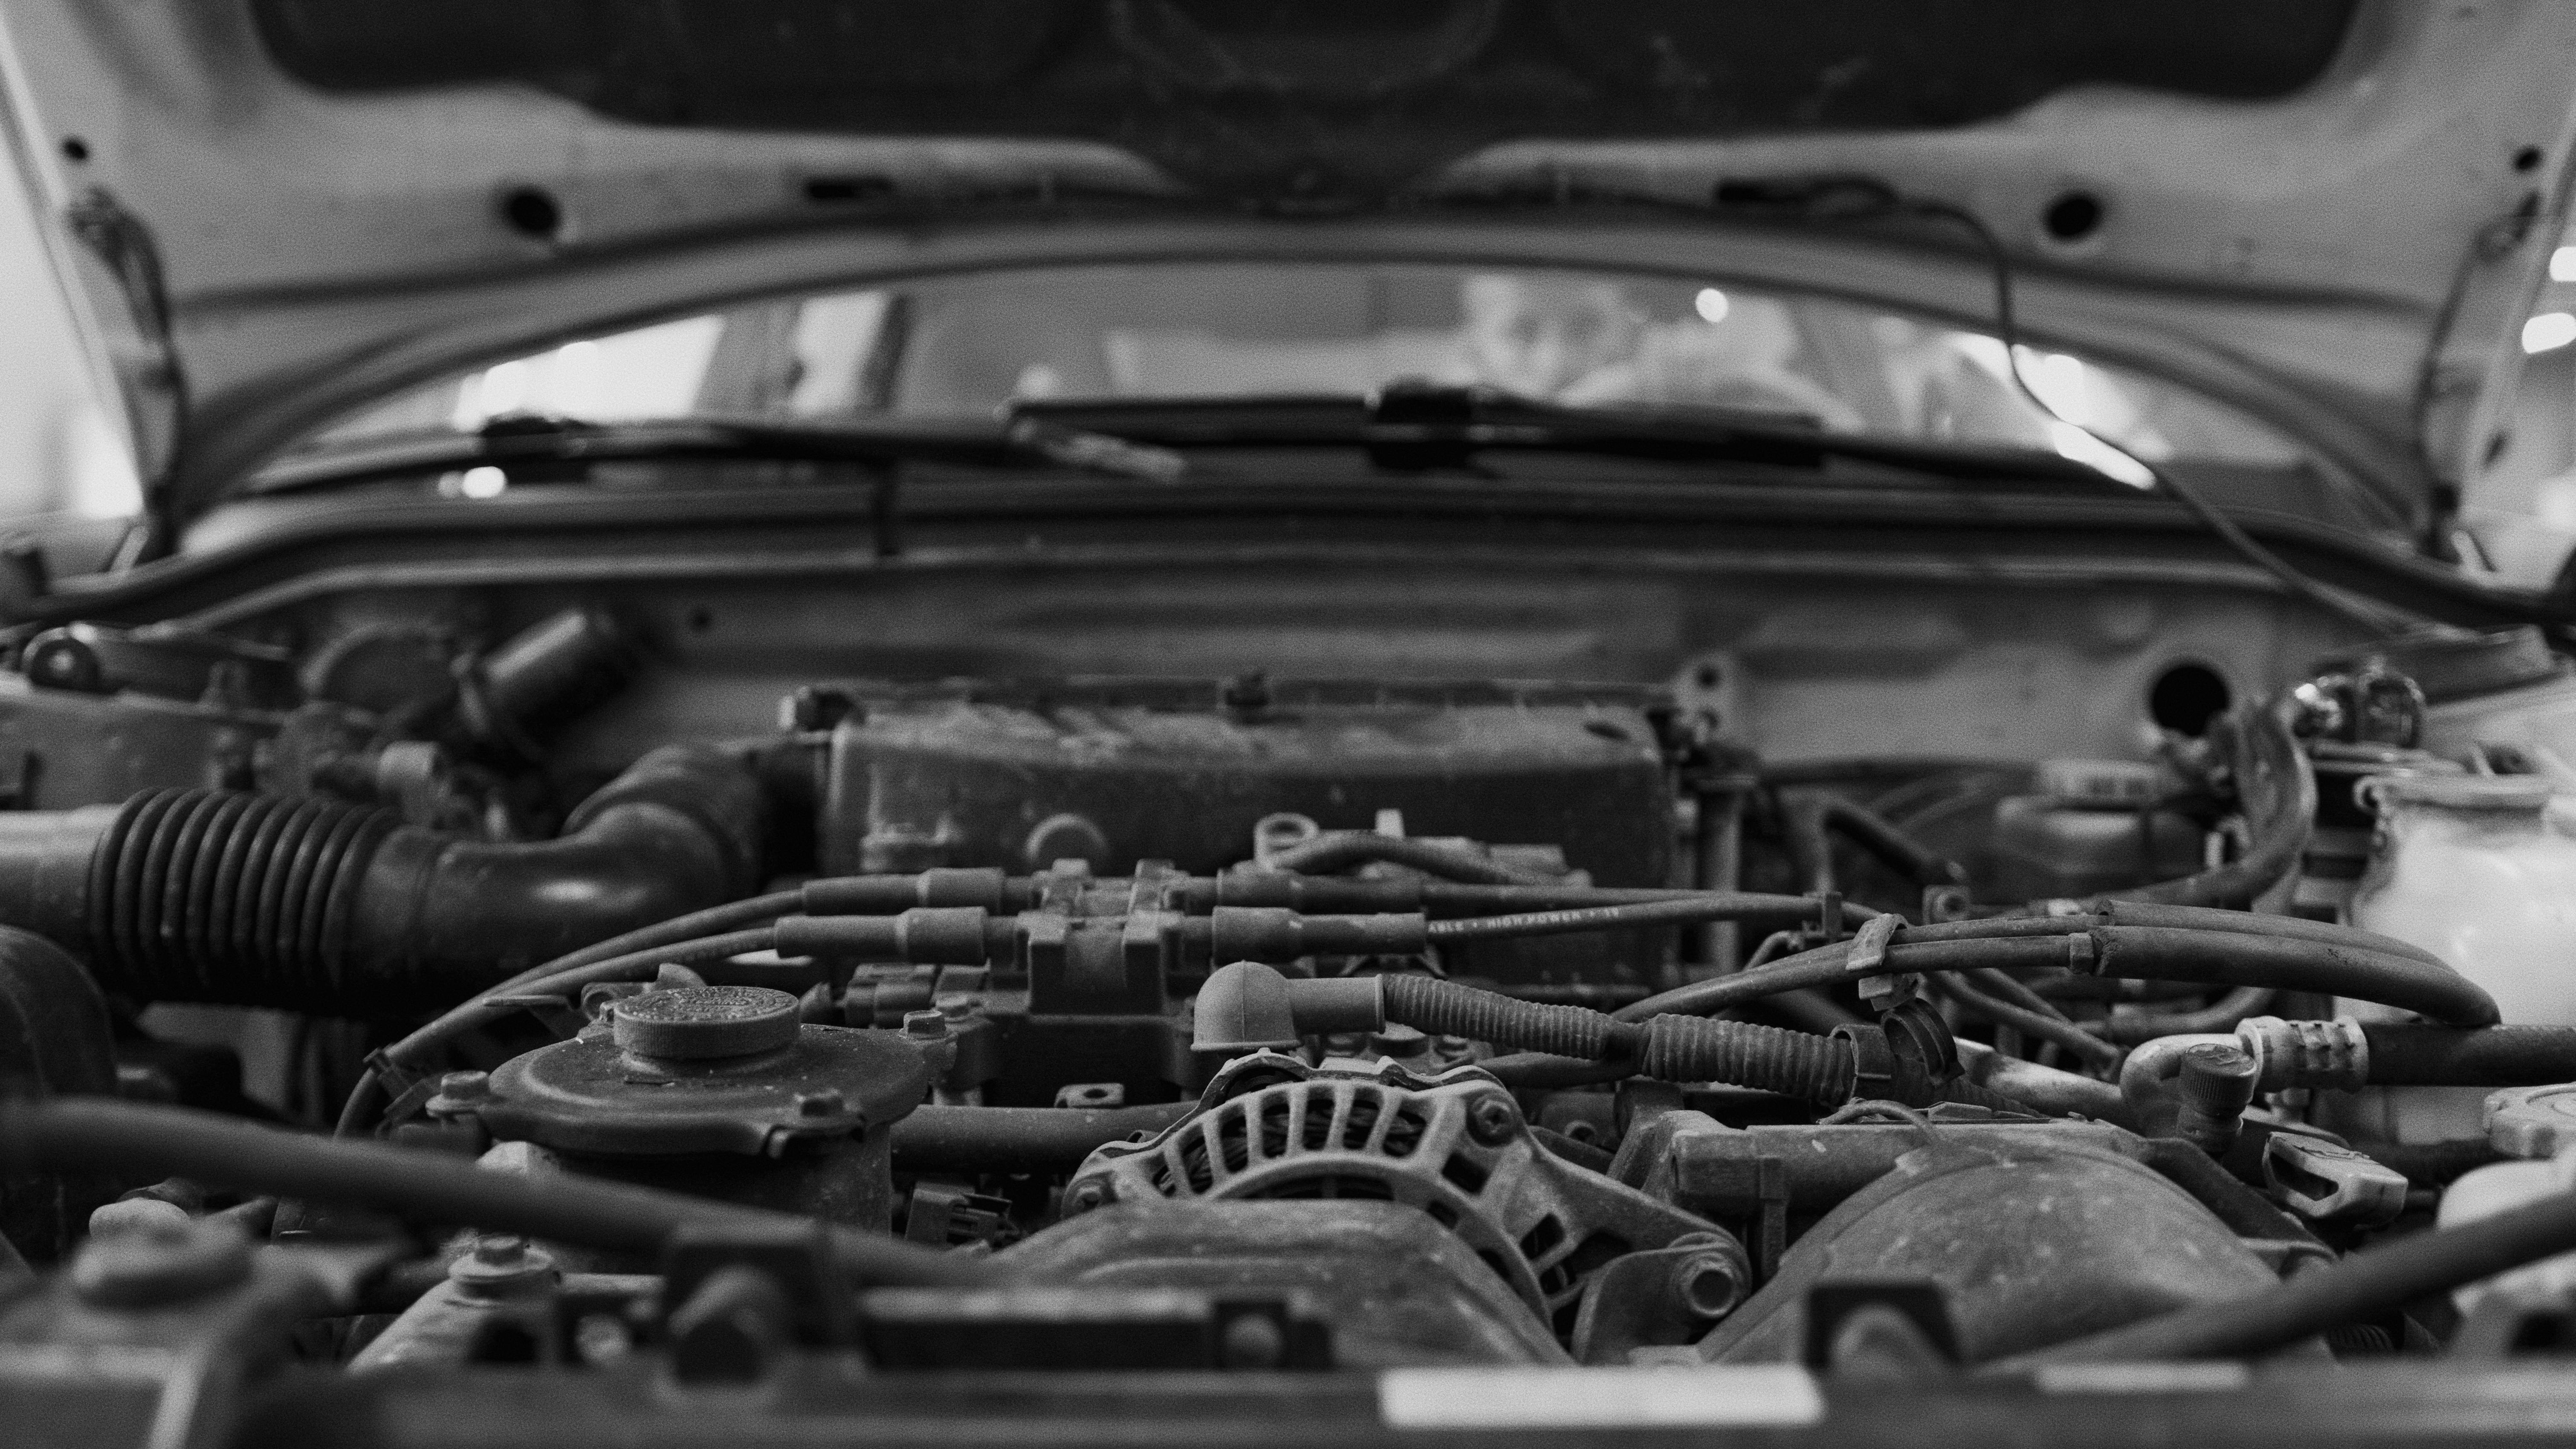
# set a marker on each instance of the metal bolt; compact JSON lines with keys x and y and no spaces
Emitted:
{"x":925,"y":1025}
{"x":1707,"y":1285}
{"x":501,"y":1264}
{"x":826,"y":1103}
{"x":1492,"y":1120}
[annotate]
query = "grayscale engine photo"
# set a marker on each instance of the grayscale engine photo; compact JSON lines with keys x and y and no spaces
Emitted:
{"x":1152,"y":722}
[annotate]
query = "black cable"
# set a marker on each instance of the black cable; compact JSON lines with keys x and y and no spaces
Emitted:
{"x":485,"y":1008}
{"x":2357,"y":964}
{"x":2221,"y":1015}
{"x":367,"y":1098}
{"x":135,"y":1140}
{"x":2045,"y":1026}
{"x":2270,"y":762}
{"x":2361,"y":1286}
{"x":2008,"y":331}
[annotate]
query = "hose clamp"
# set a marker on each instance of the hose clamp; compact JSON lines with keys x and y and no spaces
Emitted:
{"x":1873,"y":1061}
{"x":1916,"y":1033}
{"x":2331,"y":1054}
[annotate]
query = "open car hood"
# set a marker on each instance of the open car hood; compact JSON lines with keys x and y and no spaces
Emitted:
{"x":2333,"y":214}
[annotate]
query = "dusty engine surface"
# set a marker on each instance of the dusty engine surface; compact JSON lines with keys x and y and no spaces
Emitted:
{"x":1109,"y":772}
{"x":1548,"y":782}
{"x":1132,"y":1025}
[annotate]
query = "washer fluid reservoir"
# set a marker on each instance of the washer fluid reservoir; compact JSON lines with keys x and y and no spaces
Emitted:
{"x":2481,"y":871}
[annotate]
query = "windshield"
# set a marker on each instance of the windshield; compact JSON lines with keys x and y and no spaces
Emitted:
{"x":968,"y":345}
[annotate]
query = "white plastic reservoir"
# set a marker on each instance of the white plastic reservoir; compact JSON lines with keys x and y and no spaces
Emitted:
{"x":2481,"y":871}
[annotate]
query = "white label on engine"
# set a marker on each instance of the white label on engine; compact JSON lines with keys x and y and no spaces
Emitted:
{"x":1589,"y":1398}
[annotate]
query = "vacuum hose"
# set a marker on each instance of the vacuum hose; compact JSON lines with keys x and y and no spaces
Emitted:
{"x":253,"y":900}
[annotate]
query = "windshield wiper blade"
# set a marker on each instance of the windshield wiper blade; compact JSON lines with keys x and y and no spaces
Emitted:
{"x":1411,"y":427}
{"x":550,"y":447}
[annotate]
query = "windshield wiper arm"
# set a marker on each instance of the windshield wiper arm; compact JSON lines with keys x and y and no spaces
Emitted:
{"x":1415,"y":426}
{"x":548,"y":446}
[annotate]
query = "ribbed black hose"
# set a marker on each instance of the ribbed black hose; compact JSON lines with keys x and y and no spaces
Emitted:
{"x":1672,"y":1048}
{"x":1743,"y":1054}
{"x":1445,"y":1008}
{"x":89,"y":1134}
{"x":1681,"y":911}
{"x":2363,"y":1285}
{"x":217,"y":895}
{"x":2406,"y":1054}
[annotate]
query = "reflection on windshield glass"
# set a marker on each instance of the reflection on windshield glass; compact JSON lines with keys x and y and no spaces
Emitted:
{"x":968,"y":345}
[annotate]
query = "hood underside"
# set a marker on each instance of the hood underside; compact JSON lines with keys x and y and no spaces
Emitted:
{"x":2333,"y":214}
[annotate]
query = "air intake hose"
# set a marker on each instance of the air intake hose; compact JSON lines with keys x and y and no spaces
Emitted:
{"x":256,"y":900}
{"x":1820,"y":1069}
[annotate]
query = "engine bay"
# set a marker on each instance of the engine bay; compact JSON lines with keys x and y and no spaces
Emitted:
{"x":1248,"y":1022}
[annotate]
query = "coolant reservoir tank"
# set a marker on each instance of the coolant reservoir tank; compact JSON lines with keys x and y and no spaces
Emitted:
{"x":2090,"y":826}
{"x":2481,"y":871}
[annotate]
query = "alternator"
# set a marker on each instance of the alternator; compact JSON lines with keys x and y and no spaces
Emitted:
{"x":1454,"y":1146}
